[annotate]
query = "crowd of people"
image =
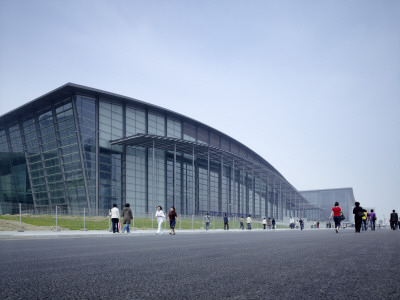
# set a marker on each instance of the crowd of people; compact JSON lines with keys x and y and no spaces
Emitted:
{"x":362,"y":219}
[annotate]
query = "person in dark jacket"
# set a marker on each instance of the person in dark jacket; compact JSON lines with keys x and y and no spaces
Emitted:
{"x":358,"y":212}
{"x":394,"y":219}
{"x":172,"y":220}
{"x":226,"y":223}
{"x":273,"y":223}
{"x":128,"y":216}
{"x":301,"y":224}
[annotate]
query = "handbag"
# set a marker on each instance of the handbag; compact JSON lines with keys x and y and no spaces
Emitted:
{"x":342,"y":217}
{"x":361,"y":214}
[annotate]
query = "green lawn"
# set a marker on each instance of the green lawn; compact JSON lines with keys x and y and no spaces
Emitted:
{"x":102,"y":223}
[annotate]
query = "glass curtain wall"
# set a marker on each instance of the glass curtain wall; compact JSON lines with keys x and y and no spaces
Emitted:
{"x":136,"y":161}
{"x":14,"y":180}
{"x":52,"y":166}
{"x":110,"y":157}
{"x":70,"y":157}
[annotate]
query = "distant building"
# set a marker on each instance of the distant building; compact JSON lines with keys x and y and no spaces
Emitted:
{"x":324,"y":200}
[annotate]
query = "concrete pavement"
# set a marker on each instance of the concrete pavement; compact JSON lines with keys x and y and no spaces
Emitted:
{"x":285,"y":264}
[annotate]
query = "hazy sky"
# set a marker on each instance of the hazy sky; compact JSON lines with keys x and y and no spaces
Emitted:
{"x":312,"y":86}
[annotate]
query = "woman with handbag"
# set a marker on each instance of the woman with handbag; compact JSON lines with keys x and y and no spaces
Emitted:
{"x":336,"y":213}
{"x":172,"y":219}
{"x":358,"y":212}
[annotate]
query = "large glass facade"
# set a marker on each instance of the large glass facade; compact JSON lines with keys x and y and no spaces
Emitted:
{"x":61,"y":151}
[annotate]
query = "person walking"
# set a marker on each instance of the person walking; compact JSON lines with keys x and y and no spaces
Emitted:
{"x":127,"y":217}
{"x":273,"y":223}
{"x":364,"y":221}
{"x":269,"y":223}
{"x":336,"y":213}
{"x":394,"y":219}
{"x":115,"y":218}
{"x":242,"y":223}
{"x":160,"y":219}
{"x":358,"y":212}
{"x":172,"y":219}
{"x":301,"y":222}
{"x":372,"y":219}
{"x":264,"y":222}
{"x":291,"y":223}
{"x":207,"y":221}
{"x":226,"y":223}
{"x":249,"y":221}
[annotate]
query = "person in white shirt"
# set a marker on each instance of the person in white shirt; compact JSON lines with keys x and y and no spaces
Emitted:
{"x":291,"y":223}
{"x":248,"y":221}
{"x":115,"y":217}
{"x":264,"y":223}
{"x":160,"y":219}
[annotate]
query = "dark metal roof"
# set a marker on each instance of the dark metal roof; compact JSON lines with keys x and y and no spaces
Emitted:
{"x":71,"y":89}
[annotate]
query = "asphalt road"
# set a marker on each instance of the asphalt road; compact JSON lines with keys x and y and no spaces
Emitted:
{"x":313,"y":264}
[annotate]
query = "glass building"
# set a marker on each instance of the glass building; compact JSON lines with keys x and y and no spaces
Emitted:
{"x":324,"y":200}
{"x":78,"y":147}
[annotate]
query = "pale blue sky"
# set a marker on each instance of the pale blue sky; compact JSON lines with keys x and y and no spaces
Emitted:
{"x":312,"y":86}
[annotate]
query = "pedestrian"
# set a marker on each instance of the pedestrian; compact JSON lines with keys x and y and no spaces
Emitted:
{"x":264,"y":222}
{"x":127,"y":217}
{"x":273,"y":223}
{"x":394,"y":219}
{"x":364,"y":221}
{"x":269,"y":223}
{"x":207,"y":221}
{"x":297,"y":224}
{"x":315,"y":224}
{"x":249,"y":221}
{"x":301,"y":222}
{"x":242,"y":223}
{"x":291,"y":223}
{"x":226,"y":223}
{"x":172,"y":219}
{"x":358,"y":212}
{"x":115,"y":218}
{"x":336,"y":213}
{"x":372,"y":219}
{"x":318,"y":224}
{"x":160,"y":219}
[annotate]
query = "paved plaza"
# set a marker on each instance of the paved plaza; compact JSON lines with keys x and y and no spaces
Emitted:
{"x":283,"y":264}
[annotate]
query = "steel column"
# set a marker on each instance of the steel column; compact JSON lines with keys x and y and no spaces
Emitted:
{"x":193,"y":184}
{"x":174,"y":198}
{"x":153,"y":176}
{"x":81,"y":154}
{"x":208,"y":182}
